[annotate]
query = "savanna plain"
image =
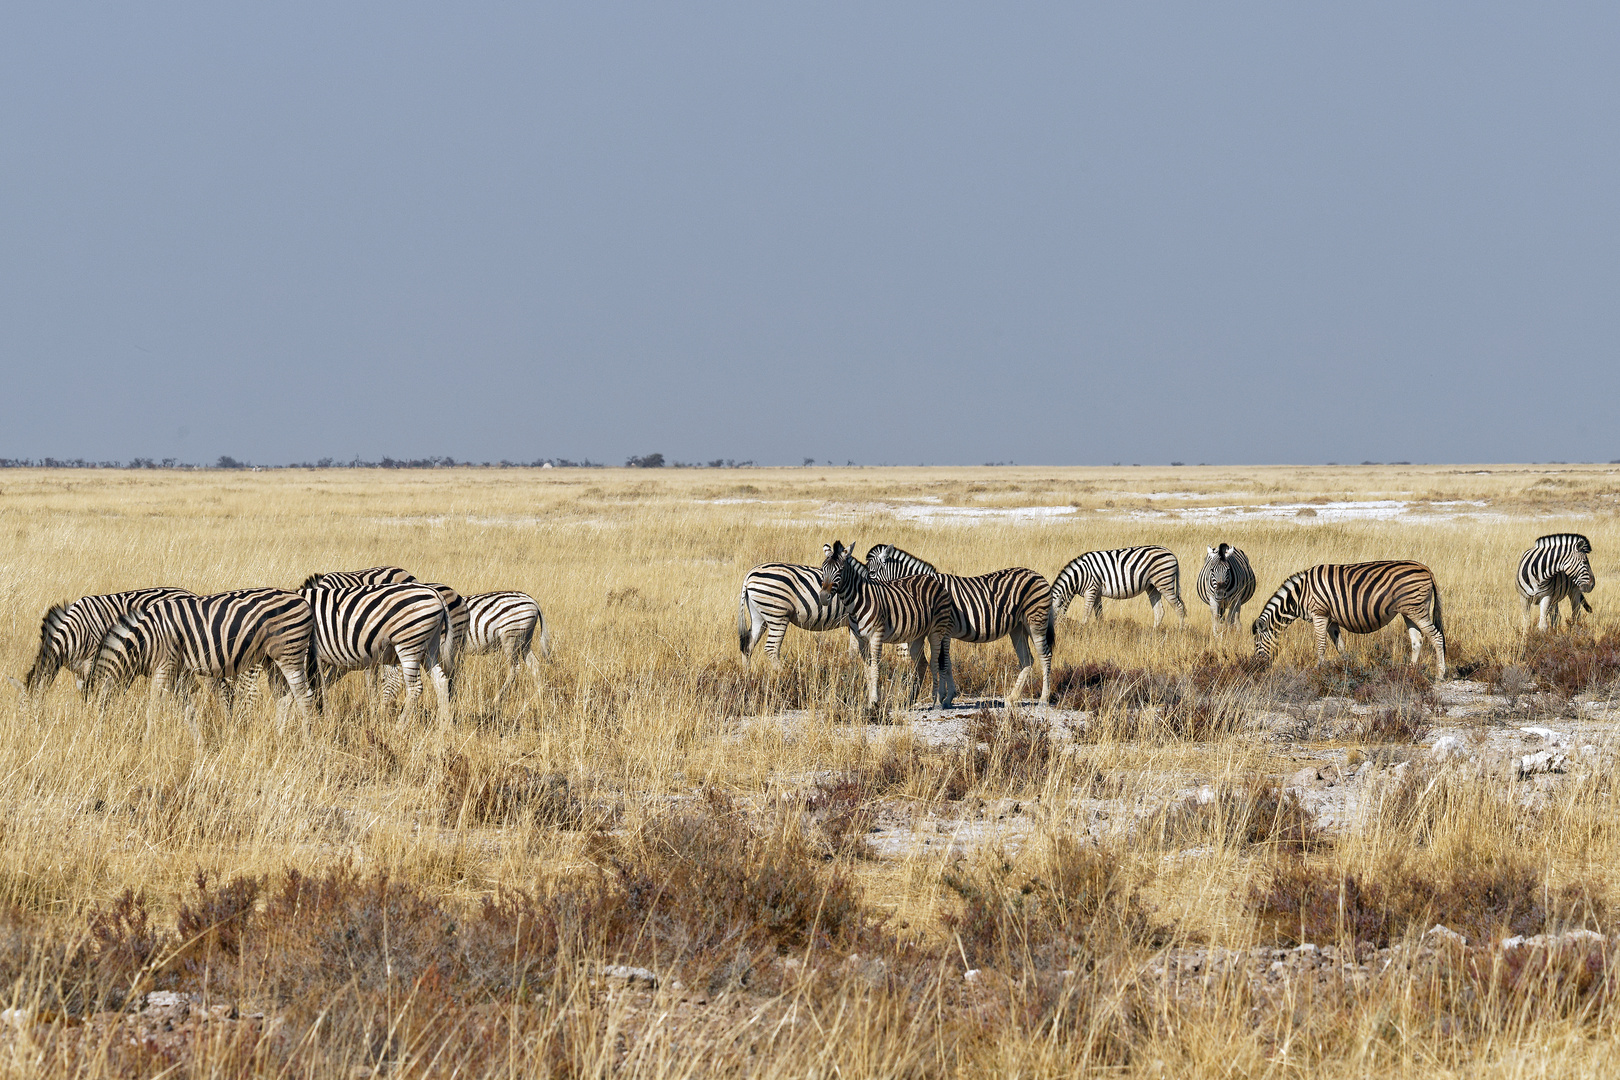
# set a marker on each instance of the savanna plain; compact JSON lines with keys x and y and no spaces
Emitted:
{"x":661,"y":859}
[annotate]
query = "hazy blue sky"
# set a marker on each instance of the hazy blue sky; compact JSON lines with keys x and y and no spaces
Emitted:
{"x":922,"y":232}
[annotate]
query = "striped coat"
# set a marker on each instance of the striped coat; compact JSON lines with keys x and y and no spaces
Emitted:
{"x":1359,"y":597}
{"x":506,"y":622}
{"x":778,"y":595}
{"x":1119,"y":574}
{"x":914,"y":610}
{"x":360,"y":627}
{"x":1015,"y":603}
{"x":1556,"y":569}
{"x":1225,"y":583}
{"x":376,"y":575}
{"x":70,"y":634}
{"x":215,"y":637}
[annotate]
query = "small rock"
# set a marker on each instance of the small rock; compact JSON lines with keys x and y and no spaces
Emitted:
{"x":632,"y":975}
{"x":1206,"y":795}
{"x":1440,"y":934}
{"x":1448,"y":746}
{"x":1542,"y":761}
{"x":165,"y":999}
{"x":1557,"y":738}
{"x":971,"y":975}
{"x":1306,"y":948}
{"x":1553,"y":941}
{"x":1306,"y":778}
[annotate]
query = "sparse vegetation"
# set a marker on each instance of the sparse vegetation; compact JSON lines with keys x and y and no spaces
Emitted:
{"x":666,"y":861}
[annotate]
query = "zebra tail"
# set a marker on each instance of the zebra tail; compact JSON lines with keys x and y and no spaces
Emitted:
{"x":447,"y":648}
{"x":1585,"y":603}
{"x":1439,"y":622}
{"x":545,"y":637}
{"x":744,"y":622}
{"x":1050,"y":636}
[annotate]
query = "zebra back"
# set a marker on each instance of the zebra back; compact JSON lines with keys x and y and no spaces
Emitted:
{"x":357,"y":626}
{"x":342,"y":579}
{"x":1226,"y":576}
{"x":1558,"y":566}
{"x":70,"y":634}
{"x":499,"y":617}
{"x":1118,"y":574}
{"x":984,"y":607}
{"x":219,"y":636}
{"x":885,"y":562}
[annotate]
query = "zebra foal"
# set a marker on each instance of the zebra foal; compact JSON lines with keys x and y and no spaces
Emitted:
{"x":217,"y":638}
{"x":361,"y":627}
{"x":1119,"y":574}
{"x":915,"y":611}
{"x":1225,"y":583}
{"x":70,"y":634}
{"x":1556,"y":569}
{"x":505,"y":622}
{"x":1362,"y":598}
{"x":1015,"y":603}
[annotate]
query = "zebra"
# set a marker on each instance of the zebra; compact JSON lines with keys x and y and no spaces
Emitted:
{"x":1359,"y":597}
{"x":778,"y":595}
{"x":216,"y":637}
{"x":364,"y":626}
{"x":1556,"y":569}
{"x":70,"y":634}
{"x":1015,"y":603}
{"x":1225,"y":583}
{"x":459,"y":629}
{"x":1119,"y":575}
{"x":914,"y":610}
{"x":376,"y":575}
{"x":506,"y":621}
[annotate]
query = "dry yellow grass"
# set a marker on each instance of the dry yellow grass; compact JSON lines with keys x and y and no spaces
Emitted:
{"x":638,"y":716}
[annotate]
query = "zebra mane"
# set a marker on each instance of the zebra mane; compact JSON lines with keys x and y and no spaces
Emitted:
{"x":311,"y":582}
{"x":1581,"y":543}
{"x":1285,"y":601}
{"x":908,"y":564}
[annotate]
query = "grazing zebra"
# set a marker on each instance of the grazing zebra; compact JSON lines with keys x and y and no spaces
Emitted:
{"x":1361,"y":598}
{"x":1014,"y":603}
{"x":376,"y":575}
{"x":70,"y":634}
{"x":1225,"y":583}
{"x":1556,"y":569}
{"x":216,"y":637}
{"x":360,"y":627}
{"x":1119,"y":575}
{"x":506,"y":621}
{"x":778,"y":595}
{"x":914,"y":610}
{"x":459,"y":630}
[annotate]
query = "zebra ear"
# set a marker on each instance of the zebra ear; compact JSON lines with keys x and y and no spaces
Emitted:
{"x":826,"y":551}
{"x":1210,"y":550}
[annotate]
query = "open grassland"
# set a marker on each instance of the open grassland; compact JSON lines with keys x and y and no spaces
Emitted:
{"x":1128,"y":875}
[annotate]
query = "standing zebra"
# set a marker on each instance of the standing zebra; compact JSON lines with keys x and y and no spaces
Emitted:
{"x":778,"y":595}
{"x":376,"y":575}
{"x":361,"y":627}
{"x":913,"y":610}
{"x":1361,"y":598}
{"x":458,"y":630}
{"x":1556,"y":569}
{"x":216,"y":637}
{"x":1225,"y":583}
{"x":506,"y":621}
{"x":1119,"y":575}
{"x":70,"y":634}
{"x":1014,"y":602}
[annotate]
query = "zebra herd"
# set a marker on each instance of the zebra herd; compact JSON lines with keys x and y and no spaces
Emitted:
{"x":895,"y":597}
{"x":381,"y":620}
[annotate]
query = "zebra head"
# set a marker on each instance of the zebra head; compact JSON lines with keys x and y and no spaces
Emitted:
{"x":1219,"y":570}
{"x":881,"y":564}
{"x":53,"y":648}
{"x":1280,"y":611}
{"x":128,"y":650}
{"x":836,"y":575}
{"x":1578,"y":568}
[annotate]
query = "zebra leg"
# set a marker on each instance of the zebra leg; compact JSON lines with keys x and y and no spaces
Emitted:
{"x":922,"y":671}
{"x":1549,"y":614}
{"x":1575,"y":600}
{"x":441,"y":687}
{"x":1091,"y":605}
{"x":1321,"y":623}
{"x":774,"y":633}
{"x":1174,"y":593}
{"x":875,"y":647}
{"x":1156,"y":598}
{"x":1216,"y":617}
{"x":410,"y":669}
{"x":512,"y":663}
{"x":1026,"y":663}
{"x":944,"y":681}
{"x":1336,"y":633}
{"x":531,"y":662}
{"x":1416,"y":637}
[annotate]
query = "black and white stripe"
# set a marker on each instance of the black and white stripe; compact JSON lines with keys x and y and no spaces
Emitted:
{"x":360,"y":627}
{"x":506,"y":622}
{"x":70,"y":634}
{"x":215,"y":637}
{"x":1119,"y":574}
{"x":1225,"y":583}
{"x":914,"y":610}
{"x":343,"y":579}
{"x":450,"y":646}
{"x":1015,"y":602}
{"x":1359,"y":597}
{"x":778,"y":595}
{"x":1558,"y":568}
